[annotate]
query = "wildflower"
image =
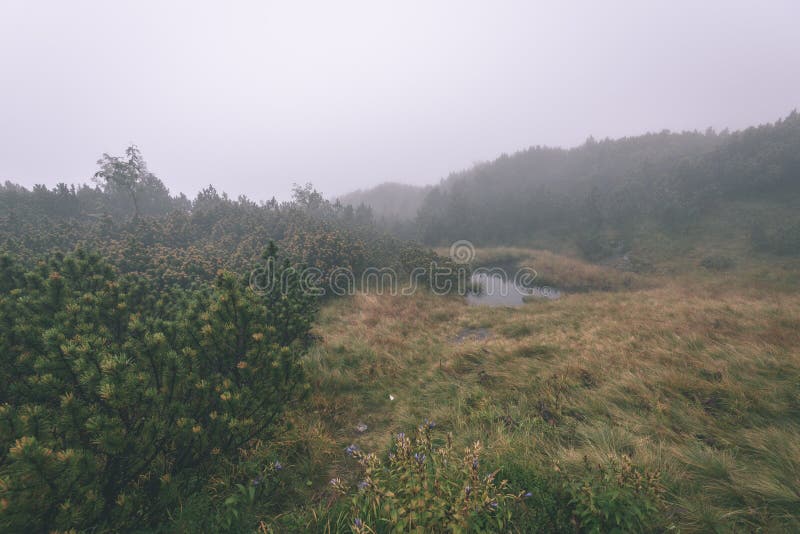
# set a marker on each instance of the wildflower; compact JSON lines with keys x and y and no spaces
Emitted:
{"x":358,"y":523}
{"x":363,"y":485}
{"x":361,"y":427}
{"x":419,"y":457}
{"x":401,"y":436}
{"x":528,"y":494}
{"x":257,"y":481}
{"x":277,"y":465}
{"x":475,"y":464}
{"x":493,"y":504}
{"x":351,"y":450}
{"x":468,"y":490}
{"x":430,"y":424}
{"x":336,"y":482}
{"x":391,"y":397}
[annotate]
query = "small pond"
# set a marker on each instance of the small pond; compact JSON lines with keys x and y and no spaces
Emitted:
{"x":498,"y":290}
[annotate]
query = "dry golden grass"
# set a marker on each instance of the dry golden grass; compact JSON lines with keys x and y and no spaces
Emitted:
{"x":572,"y":274}
{"x":698,"y":380}
{"x":557,"y":270}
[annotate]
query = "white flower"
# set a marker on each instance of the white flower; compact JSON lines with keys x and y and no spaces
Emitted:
{"x":391,"y":397}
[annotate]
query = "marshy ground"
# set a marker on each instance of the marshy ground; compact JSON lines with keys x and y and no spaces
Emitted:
{"x":696,"y":376}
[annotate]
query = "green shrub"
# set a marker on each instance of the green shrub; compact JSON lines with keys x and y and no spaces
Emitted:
{"x":119,"y":399}
{"x":425,"y":485}
{"x":616,"y":497}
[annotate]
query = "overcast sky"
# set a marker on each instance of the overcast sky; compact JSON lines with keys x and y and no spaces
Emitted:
{"x":253,"y":96}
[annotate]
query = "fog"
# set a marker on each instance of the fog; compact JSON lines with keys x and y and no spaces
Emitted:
{"x":253,"y":96}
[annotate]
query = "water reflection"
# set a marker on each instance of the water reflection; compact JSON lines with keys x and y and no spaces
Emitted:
{"x":496,"y":289}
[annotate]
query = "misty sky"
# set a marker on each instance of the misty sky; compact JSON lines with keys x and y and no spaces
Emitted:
{"x":253,"y":96}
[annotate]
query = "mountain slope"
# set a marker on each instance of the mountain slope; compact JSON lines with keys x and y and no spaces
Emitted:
{"x":614,"y":190}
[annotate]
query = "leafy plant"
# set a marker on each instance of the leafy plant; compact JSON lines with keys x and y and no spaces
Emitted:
{"x":424,"y":485}
{"x":616,"y":497}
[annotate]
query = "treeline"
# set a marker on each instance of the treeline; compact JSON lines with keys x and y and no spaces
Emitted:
{"x":392,"y":206}
{"x":602,"y":189}
{"x":130,"y":218}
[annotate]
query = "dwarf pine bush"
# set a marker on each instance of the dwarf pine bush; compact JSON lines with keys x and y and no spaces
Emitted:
{"x":117,"y":399}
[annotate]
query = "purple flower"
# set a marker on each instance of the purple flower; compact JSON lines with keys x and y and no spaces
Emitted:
{"x":357,"y":522}
{"x":277,"y":465}
{"x":401,"y":436}
{"x":363,"y":484}
{"x":257,"y":481}
{"x":528,"y":494}
{"x":351,"y":450}
{"x":493,"y":504}
{"x":430,"y":424}
{"x":419,"y":457}
{"x":475,"y":464}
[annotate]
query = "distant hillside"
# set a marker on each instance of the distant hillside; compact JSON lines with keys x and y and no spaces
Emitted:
{"x":603,"y":194}
{"x":390,"y":200}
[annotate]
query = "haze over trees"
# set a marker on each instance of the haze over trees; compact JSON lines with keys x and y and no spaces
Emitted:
{"x":165,"y":364}
{"x":610,"y":190}
{"x":392,"y":200}
{"x":583,"y":317}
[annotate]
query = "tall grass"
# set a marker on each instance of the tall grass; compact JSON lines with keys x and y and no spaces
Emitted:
{"x":694,"y":380}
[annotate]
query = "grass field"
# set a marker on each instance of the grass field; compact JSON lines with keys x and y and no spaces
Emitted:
{"x":696,"y":378}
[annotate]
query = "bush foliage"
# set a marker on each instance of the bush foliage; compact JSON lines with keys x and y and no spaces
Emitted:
{"x":118,"y":398}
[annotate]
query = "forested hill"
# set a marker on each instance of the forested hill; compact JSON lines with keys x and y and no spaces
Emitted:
{"x":668,"y":179}
{"x":607,"y":191}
